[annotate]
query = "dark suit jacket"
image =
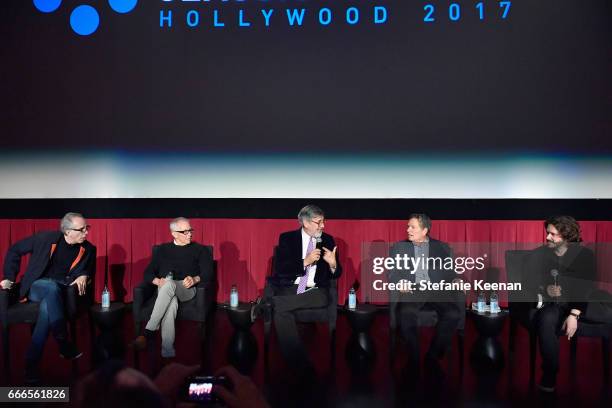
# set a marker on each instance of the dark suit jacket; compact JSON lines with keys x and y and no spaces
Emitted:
{"x":436,"y":249}
{"x":39,"y":246}
{"x":576,"y":274}
{"x":289,"y":264}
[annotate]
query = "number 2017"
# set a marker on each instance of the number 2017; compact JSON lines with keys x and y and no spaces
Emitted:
{"x":454,"y":11}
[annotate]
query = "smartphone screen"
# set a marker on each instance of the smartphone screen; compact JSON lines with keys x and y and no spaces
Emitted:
{"x":200,"y":389}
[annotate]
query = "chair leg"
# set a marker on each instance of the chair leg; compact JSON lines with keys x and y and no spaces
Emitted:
{"x":6,"y":354}
{"x":573,"y":352}
{"x":267,"y":328}
{"x":533,"y":345}
{"x":605,"y":350}
{"x":332,"y":351}
{"x":512,"y":336}
{"x":392,"y":344}
{"x":460,"y":346}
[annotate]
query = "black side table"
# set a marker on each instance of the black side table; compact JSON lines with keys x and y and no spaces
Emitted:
{"x":109,"y":343}
{"x":487,"y":353}
{"x":242,"y":348}
{"x":360,"y":351}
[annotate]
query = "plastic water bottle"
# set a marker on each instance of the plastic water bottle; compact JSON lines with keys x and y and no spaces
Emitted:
{"x":105,"y":298}
{"x":481,"y":302}
{"x":494,"y":302}
{"x":170,"y":276}
{"x":352,"y":299}
{"x":234,"y":296}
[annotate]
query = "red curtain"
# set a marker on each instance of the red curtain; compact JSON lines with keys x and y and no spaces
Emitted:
{"x":243,"y":248}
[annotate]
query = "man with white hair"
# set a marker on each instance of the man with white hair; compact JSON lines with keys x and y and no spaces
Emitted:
{"x":176,"y":268}
{"x":57,"y":259}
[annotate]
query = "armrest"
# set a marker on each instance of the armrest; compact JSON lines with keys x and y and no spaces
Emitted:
{"x":72,"y":295}
{"x":4,"y":304}
{"x":142,"y":293}
{"x":332,"y":307}
{"x":205,"y":295}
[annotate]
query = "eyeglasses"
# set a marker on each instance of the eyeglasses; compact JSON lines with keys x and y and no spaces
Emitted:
{"x":185,"y":232}
{"x":319,"y":223}
{"x":81,"y":230}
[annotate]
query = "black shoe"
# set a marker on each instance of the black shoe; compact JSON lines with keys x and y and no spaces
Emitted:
{"x":411,"y":373}
{"x":32,"y":375}
{"x":548,"y":382}
{"x":257,"y":308}
{"x":433,"y":370}
{"x":69,"y":351}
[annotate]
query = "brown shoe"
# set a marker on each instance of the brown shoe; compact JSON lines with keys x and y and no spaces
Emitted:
{"x":139,"y":343}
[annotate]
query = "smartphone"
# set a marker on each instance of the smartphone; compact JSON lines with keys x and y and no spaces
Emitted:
{"x":200,"y":389}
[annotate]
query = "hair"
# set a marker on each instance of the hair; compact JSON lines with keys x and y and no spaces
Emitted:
{"x":423,"y":219}
{"x":66,"y":222}
{"x":174,"y":222}
{"x":100,"y":390}
{"x":309,"y":212}
{"x":567,"y":226}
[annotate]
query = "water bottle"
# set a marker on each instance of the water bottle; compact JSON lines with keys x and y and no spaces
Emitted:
{"x":494,"y":302}
{"x":481,"y":302}
{"x":234,"y":296}
{"x":170,"y":275}
{"x":105,"y":298}
{"x":352,"y":299}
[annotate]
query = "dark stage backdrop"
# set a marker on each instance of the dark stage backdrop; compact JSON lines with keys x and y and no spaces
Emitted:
{"x":238,"y":98}
{"x":268,"y":75}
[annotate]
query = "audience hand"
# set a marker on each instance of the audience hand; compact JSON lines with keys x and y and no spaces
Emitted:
{"x":172,"y":377}
{"x":244,"y":394}
{"x":159,"y":282}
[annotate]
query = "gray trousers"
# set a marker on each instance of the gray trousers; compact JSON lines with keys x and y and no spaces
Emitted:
{"x":164,"y":312}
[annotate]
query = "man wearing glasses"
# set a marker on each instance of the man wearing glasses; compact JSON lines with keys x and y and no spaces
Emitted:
{"x":57,"y":259}
{"x":304,"y":265}
{"x":176,"y":268}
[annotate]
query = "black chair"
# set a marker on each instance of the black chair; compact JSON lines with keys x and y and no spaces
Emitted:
{"x":426,"y":318}
{"x":196,"y":309}
{"x":327,"y":314}
{"x":12,"y":311}
{"x":520,"y":315}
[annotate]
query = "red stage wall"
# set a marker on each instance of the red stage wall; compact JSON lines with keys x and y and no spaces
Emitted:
{"x":243,"y":247}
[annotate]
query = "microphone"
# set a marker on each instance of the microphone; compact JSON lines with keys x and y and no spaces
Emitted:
{"x":554,"y":273}
{"x":319,"y":243}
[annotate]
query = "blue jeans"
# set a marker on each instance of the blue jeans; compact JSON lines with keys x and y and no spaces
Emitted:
{"x":50,"y":316}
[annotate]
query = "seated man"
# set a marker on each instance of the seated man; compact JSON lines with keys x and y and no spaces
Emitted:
{"x":420,"y":245}
{"x":188,"y":263}
{"x":305,"y":262}
{"x":562,"y":273}
{"x":58,"y":259}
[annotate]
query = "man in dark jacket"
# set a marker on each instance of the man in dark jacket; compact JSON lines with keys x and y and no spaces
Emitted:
{"x":563,"y":273}
{"x":57,"y":259}
{"x":304,"y":265}
{"x":420,"y":246}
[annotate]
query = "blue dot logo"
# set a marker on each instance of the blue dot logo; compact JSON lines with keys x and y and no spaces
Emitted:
{"x":47,"y":6}
{"x":122,"y":6}
{"x":84,"y":20}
